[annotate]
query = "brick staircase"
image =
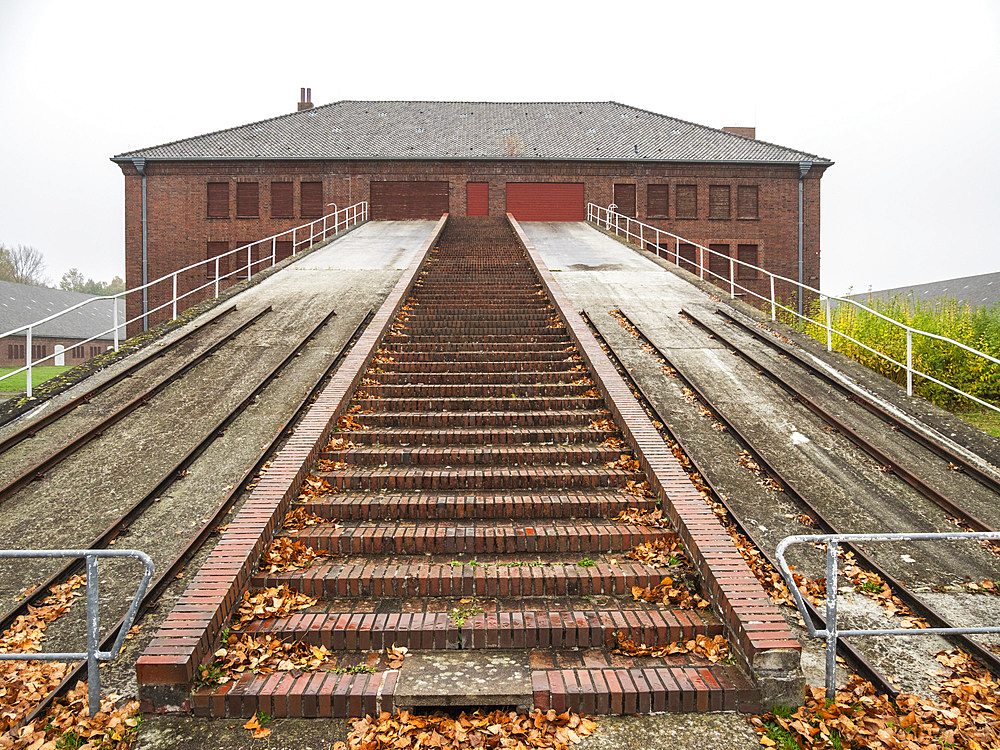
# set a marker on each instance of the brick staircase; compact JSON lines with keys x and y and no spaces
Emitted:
{"x":471,"y":520}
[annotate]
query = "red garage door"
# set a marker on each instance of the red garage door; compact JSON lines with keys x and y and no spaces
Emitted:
{"x":408,"y":200}
{"x":545,"y":201}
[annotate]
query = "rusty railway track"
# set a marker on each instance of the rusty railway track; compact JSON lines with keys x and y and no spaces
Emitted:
{"x":982,"y":654}
{"x":165,"y":577}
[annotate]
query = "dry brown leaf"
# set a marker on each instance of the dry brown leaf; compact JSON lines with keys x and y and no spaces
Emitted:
{"x":300,"y":518}
{"x":278,"y":601}
{"x":286,"y":554}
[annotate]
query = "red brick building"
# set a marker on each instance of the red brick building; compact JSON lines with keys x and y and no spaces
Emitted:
{"x":540,"y":160}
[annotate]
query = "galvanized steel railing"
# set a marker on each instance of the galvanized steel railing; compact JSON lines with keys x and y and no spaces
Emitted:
{"x":93,"y":654}
{"x":302,"y":236}
{"x":645,"y":234}
{"x":832,"y":632}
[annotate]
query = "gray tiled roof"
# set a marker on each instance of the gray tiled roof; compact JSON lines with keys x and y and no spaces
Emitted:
{"x":21,"y":304}
{"x":475,"y":130}
{"x":978,"y":291}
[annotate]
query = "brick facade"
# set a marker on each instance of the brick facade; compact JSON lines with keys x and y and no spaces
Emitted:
{"x":179,"y":227}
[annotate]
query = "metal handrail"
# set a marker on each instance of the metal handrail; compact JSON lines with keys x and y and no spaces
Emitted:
{"x":319,"y":228}
{"x":93,"y":654}
{"x":832,"y":632}
{"x":610,"y":219}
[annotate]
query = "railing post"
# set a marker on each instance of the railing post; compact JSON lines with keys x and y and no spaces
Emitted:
{"x":294,"y":244}
{"x":909,"y":361}
{"x":831,"y":620}
{"x":28,"y":357}
{"x":642,"y":242}
{"x":773,"y":308}
{"x":114,"y":319}
{"x":829,"y":327}
{"x":274,"y":251}
{"x":249,"y":261}
{"x":216,"y":275}
{"x":93,"y":637}
{"x":732,"y":278}
{"x":701,"y":262}
{"x":174,"y":277}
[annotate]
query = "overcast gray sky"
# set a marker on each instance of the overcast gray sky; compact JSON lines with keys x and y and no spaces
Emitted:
{"x":902,"y":95}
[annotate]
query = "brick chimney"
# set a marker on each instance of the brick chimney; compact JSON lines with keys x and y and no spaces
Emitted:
{"x":747,"y":132}
{"x":305,"y":99}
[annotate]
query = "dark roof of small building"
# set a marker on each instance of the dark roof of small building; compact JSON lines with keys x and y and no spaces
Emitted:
{"x":21,"y":304}
{"x":982,"y":290}
{"x":475,"y":130}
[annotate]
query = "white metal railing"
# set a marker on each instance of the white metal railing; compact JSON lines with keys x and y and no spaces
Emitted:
{"x":302,"y":237}
{"x":646,"y":234}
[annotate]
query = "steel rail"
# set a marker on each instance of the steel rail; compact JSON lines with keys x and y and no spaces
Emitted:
{"x":67,"y":449}
{"x":168,"y":478}
{"x":167,"y":576}
{"x":935,"y":495}
{"x":29,"y":430}
{"x":844,"y":647}
{"x":871,"y":405}
{"x":982,"y":654}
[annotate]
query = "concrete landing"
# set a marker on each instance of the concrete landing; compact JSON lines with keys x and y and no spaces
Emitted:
{"x":472,"y":679}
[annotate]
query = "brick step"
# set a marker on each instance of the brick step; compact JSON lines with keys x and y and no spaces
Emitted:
{"x":364,"y":506}
{"x":595,"y":691}
{"x":476,"y":478}
{"x":450,"y":420}
{"x":642,"y":690}
{"x":435,"y":319}
{"x":413,"y":577}
{"x":527,"y":627}
{"x":491,"y":455}
{"x":476,"y":436}
{"x":453,"y":367}
{"x":531,"y":403}
{"x":488,"y":390}
{"x":538,"y":377}
{"x":478,"y":537}
{"x":476,"y":354}
{"x":526,"y":341}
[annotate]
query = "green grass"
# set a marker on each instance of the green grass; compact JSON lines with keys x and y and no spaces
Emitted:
{"x":978,"y":328}
{"x":986,"y":420}
{"x":38,"y":376}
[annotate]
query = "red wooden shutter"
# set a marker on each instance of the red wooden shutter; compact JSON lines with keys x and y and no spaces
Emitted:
{"x":747,"y":254}
{"x":414,"y":199}
{"x":656,"y":201}
{"x":747,"y":202}
{"x":311,"y":196}
{"x":718,"y":202}
{"x":212,"y":249}
{"x":218,"y":200}
{"x":247,"y":200}
{"x":718,"y":265}
{"x":477,"y":199}
{"x":282,"y":201}
{"x":687,"y":201}
{"x":625,"y":199}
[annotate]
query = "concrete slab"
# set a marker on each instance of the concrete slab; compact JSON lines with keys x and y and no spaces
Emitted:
{"x":471,"y":679}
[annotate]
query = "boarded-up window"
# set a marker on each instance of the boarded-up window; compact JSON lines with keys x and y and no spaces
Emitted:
{"x":282,"y":200}
{"x":718,"y":262}
{"x":625,"y":199}
{"x":747,"y":254}
{"x":656,"y":201}
{"x":718,"y":202}
{"x":477,"y":199}
{"x":77,"y":352}
{"x":746,"y":202}
{"x":218,"y":200}
{"x":247,"y":200}
{"x":282,"y":250}
{"x":312,"y":200}
{"x":689,"y":259}
{"x":213,"y":249}
{"x":687,"y":201}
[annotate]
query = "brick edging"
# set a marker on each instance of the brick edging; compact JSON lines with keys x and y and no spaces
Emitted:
{"x":187,"y":636}
{"x":756,"y":628}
